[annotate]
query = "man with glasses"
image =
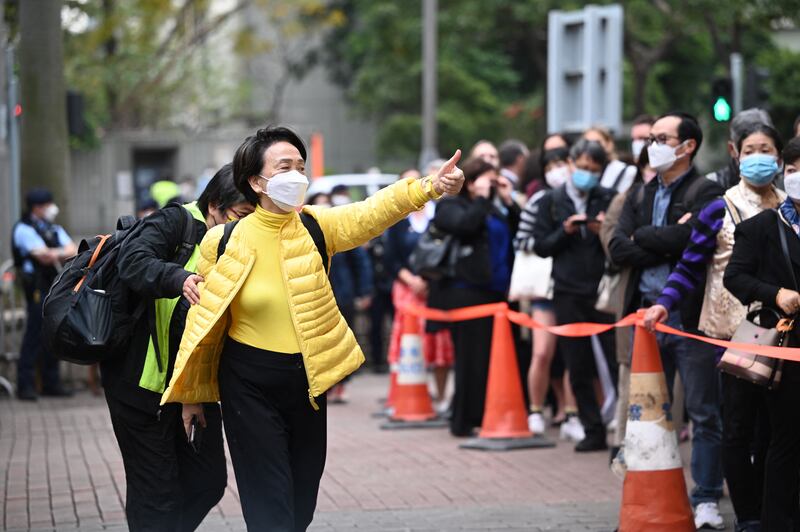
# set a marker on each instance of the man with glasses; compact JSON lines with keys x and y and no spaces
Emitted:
{"x":653,"y":229}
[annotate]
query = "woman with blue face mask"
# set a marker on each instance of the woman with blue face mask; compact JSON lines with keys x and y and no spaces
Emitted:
{"x":566,"y":229}
{"x":744,"y":418}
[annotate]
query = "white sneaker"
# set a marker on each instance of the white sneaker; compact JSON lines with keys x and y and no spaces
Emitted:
{"x":706,"y":515}
{"x":536,"y":423}
{"x":572,"y":430}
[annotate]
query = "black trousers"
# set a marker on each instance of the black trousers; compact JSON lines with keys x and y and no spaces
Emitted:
{"x":169,"y":486}
{"x":579,"y":358}
{"x":745,"y":437}
{"x":33,"y":350}
{"x":472,"y":343}
{"x":276,"y":439}
{"x":780,"y":511}
{"x":379,"y":309}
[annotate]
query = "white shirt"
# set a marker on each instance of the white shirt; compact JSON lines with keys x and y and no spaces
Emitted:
{"x":613,"y":171}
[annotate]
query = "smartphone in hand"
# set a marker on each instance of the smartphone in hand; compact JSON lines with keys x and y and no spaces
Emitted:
{"x":195,"y":434}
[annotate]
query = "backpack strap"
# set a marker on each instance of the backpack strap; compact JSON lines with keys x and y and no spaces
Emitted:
{"x":785,"y":247}
{"x":621,"y":174}
{"x":311,"y":225}
{"x":313,"y":228}
{"x":226,"y":236}
{"x":733,"y":210}
{"x":189,"y":237}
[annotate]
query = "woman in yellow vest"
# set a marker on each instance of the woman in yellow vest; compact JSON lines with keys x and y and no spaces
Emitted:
{"x":267,"y":338}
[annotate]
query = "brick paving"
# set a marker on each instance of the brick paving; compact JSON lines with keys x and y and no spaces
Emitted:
{"x":60,"y":469}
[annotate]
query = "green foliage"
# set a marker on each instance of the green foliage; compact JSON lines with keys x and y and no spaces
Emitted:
{"x":492,"y":62}
{"x":784,"y":88}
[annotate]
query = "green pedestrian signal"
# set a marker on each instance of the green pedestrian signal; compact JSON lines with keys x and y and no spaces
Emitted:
{"x":721,"y":98}
{"x":722,"y":110}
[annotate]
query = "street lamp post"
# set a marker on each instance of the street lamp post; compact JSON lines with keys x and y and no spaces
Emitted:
{"x":429,"y":37}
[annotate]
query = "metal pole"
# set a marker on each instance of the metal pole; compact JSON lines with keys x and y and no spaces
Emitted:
{"x":737,"y":81}
{"x":13,"y":134}
{"x":429,"y":34}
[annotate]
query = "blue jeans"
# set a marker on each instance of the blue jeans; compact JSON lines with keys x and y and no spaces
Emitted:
{"x":696,"y":363}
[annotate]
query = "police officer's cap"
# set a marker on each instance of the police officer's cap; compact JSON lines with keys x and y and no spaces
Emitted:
{"x":38,"y":196}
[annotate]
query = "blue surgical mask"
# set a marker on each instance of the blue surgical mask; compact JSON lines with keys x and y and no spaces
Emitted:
{"x":584,"y":180}
{"x":759,"y":169}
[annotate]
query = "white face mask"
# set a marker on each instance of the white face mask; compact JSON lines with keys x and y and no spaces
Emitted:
{"x":557,"y":176}
{"x":50,"y":212}
{"x":287,"y":189}
{"x":791,"y":183}
{"x":662,"y":156}
{"x":637,"y":145}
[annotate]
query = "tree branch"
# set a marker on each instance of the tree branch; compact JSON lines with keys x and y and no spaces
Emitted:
{"x":144,"y":86}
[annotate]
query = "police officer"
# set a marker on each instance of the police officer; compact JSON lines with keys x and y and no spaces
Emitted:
{"x":39,"y":247}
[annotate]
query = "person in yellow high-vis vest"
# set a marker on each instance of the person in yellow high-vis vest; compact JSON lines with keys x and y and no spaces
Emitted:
{"x":267,"y":337}
{"x":171,"y":484}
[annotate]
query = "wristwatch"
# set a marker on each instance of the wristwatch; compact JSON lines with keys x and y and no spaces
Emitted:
{"x":427,"y":187}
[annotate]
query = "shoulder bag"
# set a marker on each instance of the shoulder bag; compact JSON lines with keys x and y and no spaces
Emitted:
{"x":758,"y":369}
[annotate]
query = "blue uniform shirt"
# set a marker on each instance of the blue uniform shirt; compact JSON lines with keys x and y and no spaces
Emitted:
{"x":26,"y":239}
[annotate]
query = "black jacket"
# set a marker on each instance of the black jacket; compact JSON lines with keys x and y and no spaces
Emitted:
{"x":651,"y":245}
{"x":146,"y":266}
{"x":465,"y":219}
{"x":758,"y":268}
{"x":578,"y":259}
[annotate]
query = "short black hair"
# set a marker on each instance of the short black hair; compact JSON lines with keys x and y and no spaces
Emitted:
{"x":473,"y":169}
{"x":509,"y":151}
{"x":592,"y":148}
{"x":221,"y":192}
{"x":791,"y":153}
{"x":249,"y":158}
{"x":769,"y":131}
{"x":644,"y":119}
{"x":556,"y":154}
{"x":340,"y":189}
{"x":687,"y":129}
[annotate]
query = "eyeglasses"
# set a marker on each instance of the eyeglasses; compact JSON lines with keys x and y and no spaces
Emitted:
{"x":661,"y":139}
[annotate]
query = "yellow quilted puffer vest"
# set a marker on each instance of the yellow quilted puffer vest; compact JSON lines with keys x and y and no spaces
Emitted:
{"x":329,"y":347}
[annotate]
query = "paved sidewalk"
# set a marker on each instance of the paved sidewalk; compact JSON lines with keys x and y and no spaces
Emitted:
{"x":60,"y":469}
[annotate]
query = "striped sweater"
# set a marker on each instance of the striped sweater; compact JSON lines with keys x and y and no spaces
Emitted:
{"x":523,"y":241}
{"x":691,"y":268}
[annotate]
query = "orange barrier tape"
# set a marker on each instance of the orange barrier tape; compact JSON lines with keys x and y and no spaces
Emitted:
{"x":589,"y":329}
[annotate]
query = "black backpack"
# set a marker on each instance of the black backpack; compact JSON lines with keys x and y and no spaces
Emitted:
{"x":89,"y":314}
{"x":311,"y":224}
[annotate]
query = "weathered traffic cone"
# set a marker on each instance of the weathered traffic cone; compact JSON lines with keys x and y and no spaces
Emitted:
{"x":412,"y":406}
{"x":505,"y":418}
{"x":654,"y":494}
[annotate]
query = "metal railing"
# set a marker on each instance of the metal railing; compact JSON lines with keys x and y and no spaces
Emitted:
{"x":12,"y":325}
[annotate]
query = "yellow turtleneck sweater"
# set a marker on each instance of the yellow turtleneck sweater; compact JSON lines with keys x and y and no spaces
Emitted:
{"x":260,"y":315}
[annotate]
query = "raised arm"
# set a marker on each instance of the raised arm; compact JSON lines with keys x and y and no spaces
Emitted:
{"x":349,"y":226}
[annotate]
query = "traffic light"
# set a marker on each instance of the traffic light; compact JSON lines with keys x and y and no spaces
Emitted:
{"x":756,"y":91}
{"x":722,"y":99}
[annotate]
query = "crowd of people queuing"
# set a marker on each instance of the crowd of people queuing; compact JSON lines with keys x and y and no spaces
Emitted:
{"x":616,"y":232}
{"x":573,"y":231}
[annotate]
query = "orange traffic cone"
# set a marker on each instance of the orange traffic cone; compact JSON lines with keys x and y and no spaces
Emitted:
{"x":505,"y":418}
{"x":412,"y":406}
{"x":654,"y":494}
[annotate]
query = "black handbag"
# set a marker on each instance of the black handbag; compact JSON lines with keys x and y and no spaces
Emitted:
{"x":434,"y":255}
